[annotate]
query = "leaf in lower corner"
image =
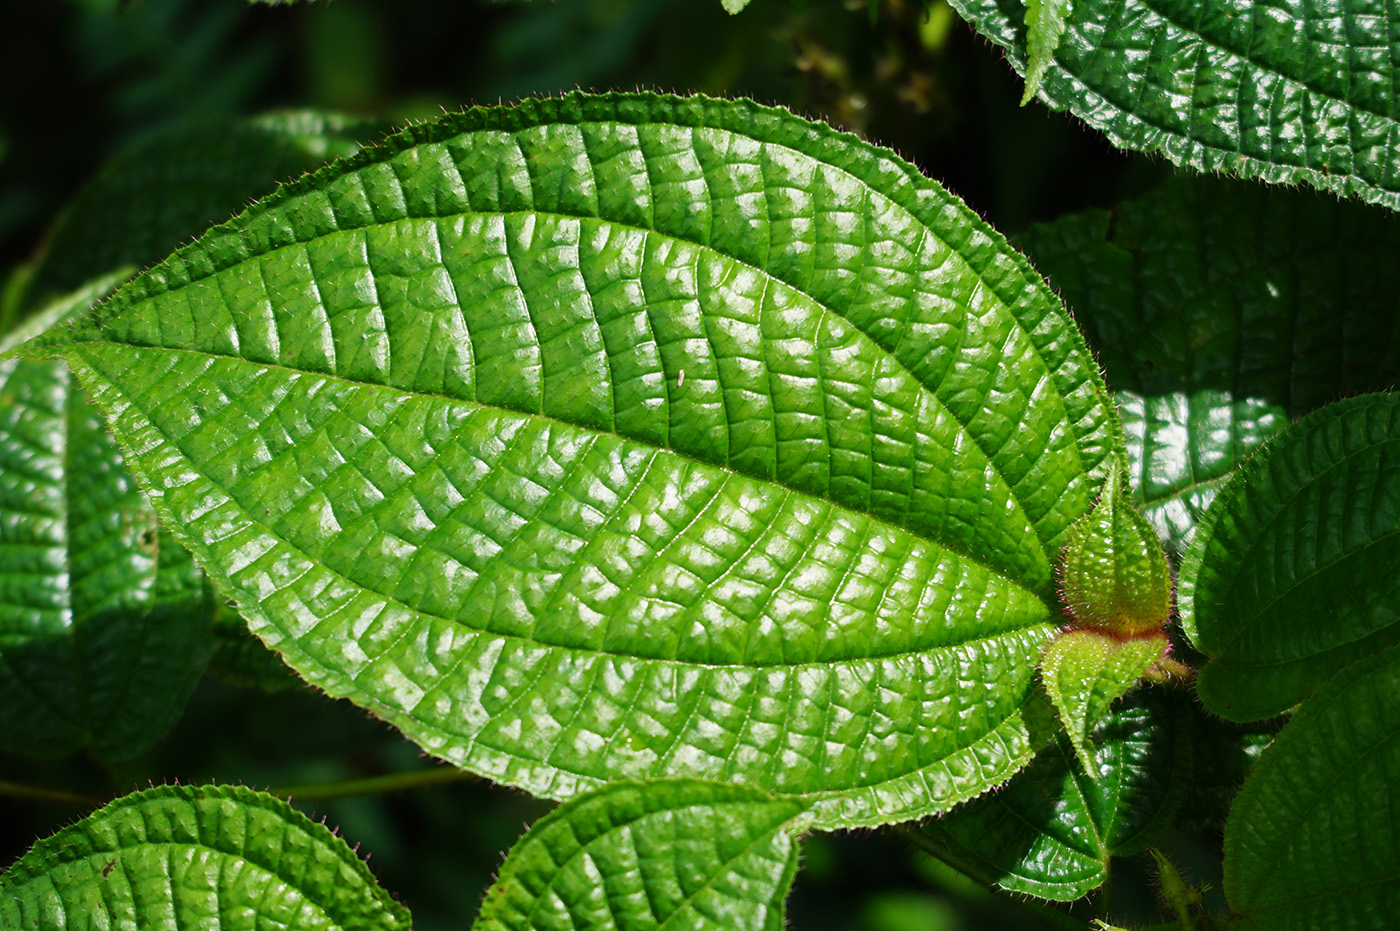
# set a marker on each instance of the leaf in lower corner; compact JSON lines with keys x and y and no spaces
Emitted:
{"x":1045,"y":25}
{"x":1312,"y":837}
{"x":693,"y":855}
{"x":195,"y":857}
{"x":594,"y":439}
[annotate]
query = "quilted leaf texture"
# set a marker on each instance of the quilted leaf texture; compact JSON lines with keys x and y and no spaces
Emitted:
{"x":195,"y":857}
{"x":1052,"y":830}
{"x":104,"y":627}
{"x":1289,"y":92}
{"x":628,"y":437}
{"x":1221,"y":311}
{"x":1291,"y":574}
{"x":1313,"y":840}
{"x":682,"y":855}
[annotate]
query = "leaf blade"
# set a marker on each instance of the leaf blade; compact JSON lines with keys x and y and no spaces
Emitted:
{"x":190,"y":856}
{"x":1307,"y":842}
{"x":735,"y":846}
{"x":713,"y":394}
{"x":1253,"y":92}
{"x":1277,"y":621}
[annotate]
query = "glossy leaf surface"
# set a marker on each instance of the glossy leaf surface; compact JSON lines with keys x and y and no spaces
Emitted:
{"x":1289,"y":92}
{"x":195,"y":857}
{"x":1313,"y":840}
{"x":1220,"y":312}
{"x":103,"y":618}
{"x":688,"y":856}
{"x":1291,"y":575}
{"x":1052,"y":830}
{"x":628,"y":437}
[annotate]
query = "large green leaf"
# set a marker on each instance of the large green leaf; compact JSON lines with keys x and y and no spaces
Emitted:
{"x":165,"y":190}
{"x":103,"y":618}
{"x":1313,"y":841}
{"x":1287,"y":92}
{"x":680,"y":855}
{"x":1292,"y":572}
{"x":1220,"y":311}
{"x":1052,"y":830}
{"x":628,"y":437}
{"x":195,"y":857}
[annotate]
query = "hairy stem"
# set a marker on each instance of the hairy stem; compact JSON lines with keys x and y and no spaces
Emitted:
{"x":45,"y":794}
{"x":374,"y":785}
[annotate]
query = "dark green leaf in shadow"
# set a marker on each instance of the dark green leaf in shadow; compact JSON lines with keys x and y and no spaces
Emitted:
{"x":195,"y":857}
{"x":103,"y":617}
{"x":162,"y":192}
{"x":628,"y":437}
{"x":1291,"y":575}
{"x":1051,"y":831}
{"x":1313,"y":840}
{"x":689,"y":856}
{"x":1220,"y":311}
{"x":1289,"y":92}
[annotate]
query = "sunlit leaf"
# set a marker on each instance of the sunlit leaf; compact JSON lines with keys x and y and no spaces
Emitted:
{"x":628,"y":437}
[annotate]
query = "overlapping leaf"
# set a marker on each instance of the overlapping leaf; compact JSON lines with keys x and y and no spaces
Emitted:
{"x":1288,"y":92}
{"x":1291,"y":575}
{"x":1314,"y":838}
{"x":195,"y":857}
{"x":1221,"y":311}
{"x":103,"y":619}
{"x":688,"y":856}
{"x":628,"y":437}
{"x":1052,"y":830}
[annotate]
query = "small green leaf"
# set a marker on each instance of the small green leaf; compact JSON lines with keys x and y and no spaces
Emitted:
{"x":1052,"y":830}
{"x":1045,"y":24}
{"x":1086,"y":671}
{"x":104,"y":626}
{"x":689,"y":856}
{"x":195,"y":857}
{"x":1221,"y":311}
{"x":1114,"y":573}
{"x":1290,"y":575}
{"x":1291,"y":93}
{"x":734,"y":6}
{"x":628,"y":437}
{"x":1314,"y":838}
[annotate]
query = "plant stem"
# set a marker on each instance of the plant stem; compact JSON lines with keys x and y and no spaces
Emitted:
{"x":45,"y":794}
{"x":375,"y":785}
{"x":1051,"y":916}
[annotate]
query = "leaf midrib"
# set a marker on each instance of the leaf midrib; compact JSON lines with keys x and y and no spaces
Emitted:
{"x":212,"y":565}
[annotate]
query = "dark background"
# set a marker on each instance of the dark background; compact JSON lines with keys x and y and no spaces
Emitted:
{"x":87,"y":78}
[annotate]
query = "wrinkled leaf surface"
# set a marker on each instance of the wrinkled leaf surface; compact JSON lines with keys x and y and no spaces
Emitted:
{"x":195,"y":857}
{"x":688,"y":856}
{"x":628,"y":437}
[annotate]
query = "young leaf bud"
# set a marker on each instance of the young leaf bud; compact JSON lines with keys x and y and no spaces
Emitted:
{"x":1114,"y":575}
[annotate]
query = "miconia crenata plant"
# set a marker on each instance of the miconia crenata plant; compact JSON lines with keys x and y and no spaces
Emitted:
{"x":721,"y":477}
